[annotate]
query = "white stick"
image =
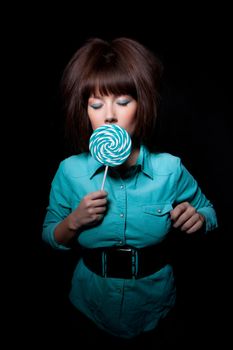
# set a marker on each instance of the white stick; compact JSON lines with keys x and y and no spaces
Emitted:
{"x":105,"y":174}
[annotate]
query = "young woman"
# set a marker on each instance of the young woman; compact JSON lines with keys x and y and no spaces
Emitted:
{"x":124,"y":282}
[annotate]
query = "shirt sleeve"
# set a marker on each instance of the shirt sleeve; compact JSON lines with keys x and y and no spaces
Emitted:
{"x":58,"y":209}
{"x":187,"y":189}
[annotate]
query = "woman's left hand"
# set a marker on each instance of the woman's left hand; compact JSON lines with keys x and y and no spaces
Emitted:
{"x":187,"y":218}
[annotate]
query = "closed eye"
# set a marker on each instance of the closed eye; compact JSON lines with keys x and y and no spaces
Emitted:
{"x":96,"y":105}
{"x":123,"y":102}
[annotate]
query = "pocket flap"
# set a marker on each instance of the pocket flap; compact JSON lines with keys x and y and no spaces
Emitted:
{"x":158,"y":209}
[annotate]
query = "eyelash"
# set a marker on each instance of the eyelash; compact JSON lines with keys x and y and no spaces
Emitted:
{"x":125,"y":103}
{"x":96,"y":106}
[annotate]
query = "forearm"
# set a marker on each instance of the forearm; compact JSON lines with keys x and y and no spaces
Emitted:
{"x":62,"y":226}
{"x":66,"y":230}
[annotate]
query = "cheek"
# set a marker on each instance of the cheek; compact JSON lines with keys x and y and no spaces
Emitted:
{"x":131,"y":122}
{"x":95,"y":124}
{"x":94,"y":119}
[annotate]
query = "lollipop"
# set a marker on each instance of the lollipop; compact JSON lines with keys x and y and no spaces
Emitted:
{"x":110,"y":145}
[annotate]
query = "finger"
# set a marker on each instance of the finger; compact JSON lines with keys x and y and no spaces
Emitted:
{"x":183,"y":218}
{"x":95,"y":211}
{"x":91,"y":204}
{"x":97,"y":217}
{"x":100,"y":217}
{"x":195,"y":227}
{"x":99,"y":202}
{"x":100,"y":210}
{"x":97,"y":195}
{"x":178,"y":210}
{"x":190,"y":222}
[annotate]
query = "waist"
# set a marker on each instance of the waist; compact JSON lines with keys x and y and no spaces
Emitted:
{"x":126,"y":262}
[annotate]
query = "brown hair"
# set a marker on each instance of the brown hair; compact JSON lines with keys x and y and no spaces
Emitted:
{"x":120,"y":66}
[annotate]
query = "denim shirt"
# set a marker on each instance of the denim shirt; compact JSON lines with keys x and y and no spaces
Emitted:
{"x":138,"y":214}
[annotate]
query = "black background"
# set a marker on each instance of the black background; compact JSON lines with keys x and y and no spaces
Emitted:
{"x":194,"y":45}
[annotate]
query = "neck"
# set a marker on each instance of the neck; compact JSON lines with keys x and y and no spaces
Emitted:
{"x":132,"y":159}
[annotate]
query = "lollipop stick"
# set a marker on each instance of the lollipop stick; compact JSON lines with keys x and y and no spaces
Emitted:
{"x":105,"y":174}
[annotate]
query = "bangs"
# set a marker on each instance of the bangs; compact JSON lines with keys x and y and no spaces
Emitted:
{"x":112,"y":81}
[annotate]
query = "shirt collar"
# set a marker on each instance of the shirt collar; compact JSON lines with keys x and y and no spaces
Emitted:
{"x":93,"y":165}
{"x":143,"y":161}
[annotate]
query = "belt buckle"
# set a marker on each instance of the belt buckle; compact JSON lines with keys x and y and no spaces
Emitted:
{"x":125,"y":249}
{"x":120,"y":262}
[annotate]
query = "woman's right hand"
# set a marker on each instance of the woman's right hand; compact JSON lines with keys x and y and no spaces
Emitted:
{"x":91,"y":209}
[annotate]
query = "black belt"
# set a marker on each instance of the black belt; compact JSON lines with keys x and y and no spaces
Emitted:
{"x":126,"y":262}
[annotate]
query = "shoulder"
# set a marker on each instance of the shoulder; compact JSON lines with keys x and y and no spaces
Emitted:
{"x":75,"y":164}
{"x":165,"y":163}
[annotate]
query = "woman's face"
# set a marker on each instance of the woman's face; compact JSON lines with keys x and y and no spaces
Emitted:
{"x":112,"y":109}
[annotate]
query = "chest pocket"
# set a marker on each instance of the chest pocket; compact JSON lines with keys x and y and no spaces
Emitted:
{"x":158,"y":209}
{"x":156,"y":219}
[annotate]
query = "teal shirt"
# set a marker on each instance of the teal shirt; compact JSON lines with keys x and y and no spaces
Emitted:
{"x":138,"y":214}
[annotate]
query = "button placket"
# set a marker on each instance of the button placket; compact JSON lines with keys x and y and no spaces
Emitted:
{"x":121,"y":205}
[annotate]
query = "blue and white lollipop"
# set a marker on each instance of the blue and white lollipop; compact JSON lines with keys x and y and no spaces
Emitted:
{"x":110,"y":145}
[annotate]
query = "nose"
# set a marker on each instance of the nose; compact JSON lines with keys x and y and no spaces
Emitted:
{"x":110,"y":119}
{"x":110,"y":116}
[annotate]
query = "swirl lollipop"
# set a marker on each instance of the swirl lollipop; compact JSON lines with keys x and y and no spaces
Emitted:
{"x":110,"y":145}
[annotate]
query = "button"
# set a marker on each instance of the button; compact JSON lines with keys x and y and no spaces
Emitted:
{"x":122,"y":186}
{"x":121,"y":215}
{"x":159,"y":210}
